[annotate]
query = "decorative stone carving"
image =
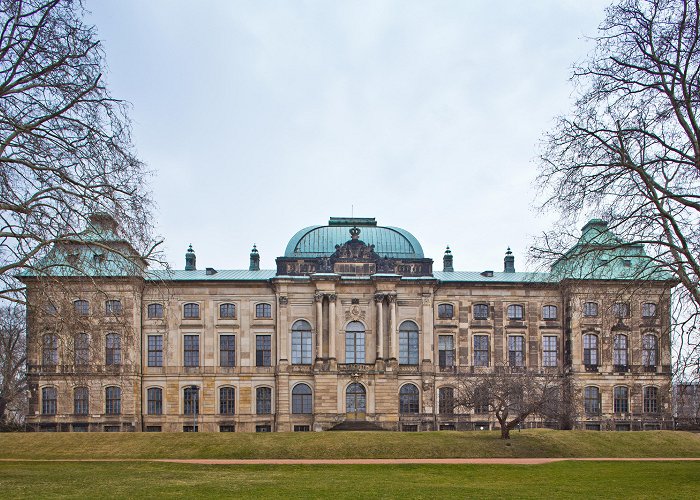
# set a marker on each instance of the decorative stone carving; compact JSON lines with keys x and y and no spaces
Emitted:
{"x":331,"y":297}
{"x":379,"y":297}
{"x":283,"y":300}
{"x":427,"y":299}
{"x":391,"y":297}
{"x":318,"y":296}
{"x":355,"y":313}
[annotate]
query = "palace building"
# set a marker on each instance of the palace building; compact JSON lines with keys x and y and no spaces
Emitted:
{"x":353,"y":329}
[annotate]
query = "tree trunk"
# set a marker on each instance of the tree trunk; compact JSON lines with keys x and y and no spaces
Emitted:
{"x":505,"y":432}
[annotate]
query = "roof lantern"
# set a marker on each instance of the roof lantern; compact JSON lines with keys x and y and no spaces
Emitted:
{"x":190,"y":260}
{"x":509,"y":262}
{"x":447,"y":265}
{"x":254,"y":259}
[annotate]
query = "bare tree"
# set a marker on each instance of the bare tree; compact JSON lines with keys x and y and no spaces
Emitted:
{"x":513,"y":394}
{"x":65,"y":146}
{"x":629,"y":151}
{"x":13,"y":355}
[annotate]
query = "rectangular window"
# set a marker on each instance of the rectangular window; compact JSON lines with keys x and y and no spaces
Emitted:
{"x":408,"y":348}
{"x":446,"y":351}
{"x":591,"y":400}
{"x":409,"y":428}
{"x":355,"y":347}
{"x":227,"y":428}
{"x":621,"y":310}
{"x":191,"y":343}
{"x":81,"y":401}
{"x":154,"y":428}
{"x":155,"y":401}
{"x":621,"y":400}
{"x":549,"y":351}
{"x":263,"y":428}
{"x":592,"y":427}
{"x":516,"y":350}
{"x":191,"y":400}
{"x":263,"y":401}
{"x":112,"y":428}
{"x":263,"y":346}
{"x":113,"y":308}
{"x":481,"y":311}
{"x":301,"y":348}
{"x":590,"y":350}
{"x":590,"y":309}
{"x":80,"y":427}
{"x":302,"y":428}
{"x":113,"y":349}
{"x":481,"y":350}
{"x":82,"y":349}
{"x":227,"y":350}
{"x":190,"y":428}
{"x":155,"y":350}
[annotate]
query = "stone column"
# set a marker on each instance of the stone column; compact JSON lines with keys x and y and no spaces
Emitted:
{"x":318,"y":297}
{"x":331,"y":326}
{"x":281,"y":329}
{"x":393,"y":335}
{"x":379,"y":299}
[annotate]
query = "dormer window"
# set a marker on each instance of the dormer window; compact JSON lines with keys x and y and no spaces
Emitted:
{"x":446,"y":311}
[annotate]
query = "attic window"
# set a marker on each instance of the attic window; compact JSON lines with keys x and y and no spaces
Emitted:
{"x":487,"y":274}
{"x":627,"y":263}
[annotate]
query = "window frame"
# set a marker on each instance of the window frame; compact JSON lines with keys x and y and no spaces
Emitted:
{"x":263,"y":400}
{"x":446,"y":401}
{"x":227,"y":404}
{"x":645,"y":310}
{"x":409,"y":343}
{"x":592,"y":402}
{"x":227,"y":311}
{"x":355,"y":343}
{"x":114,"y":307}
{"x":155,"y":310}
{"x":302,"y":343}
{"x":227,"y":353}
{"x":81,"y":307}
{"x":409,"y":402}
{"x":154,"y":354}
{"x":591,"y":354}
{"x":113,"y":400}
{"x":446,"y":353}
{"x":480,"y":352}
{"x":620,"y":351}
{"x":446,"y":310}
{"x":620,"y":403}
{"x":549,"y":354}
{"x":620,"y":310}
{"x":263,"y":350}
{"x":81,"y":349}
{"x":190,"y":400}
{"x":511,"y":312}
{"x":263,"y":310}
{"x":49,"y":400}
{"x":113,"y":349}
{"x":49,"y":349}
{"x":154,"y":400}
{"x":515,"y":342}
{"x":547,"y":312}
{"x":191,"y":310}
{"x":302,"y":402}
{"x":650,"y":399}
{"x":480,"y":307}
{"x":190,"y":350}
{"x":81,"y":405}
{"x":649,"y":352}
{"x":590,"y":309}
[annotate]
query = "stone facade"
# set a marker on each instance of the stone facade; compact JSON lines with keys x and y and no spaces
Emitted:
{"x":338,"y":335}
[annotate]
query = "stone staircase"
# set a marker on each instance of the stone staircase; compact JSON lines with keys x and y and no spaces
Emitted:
{"x":356,"y":425}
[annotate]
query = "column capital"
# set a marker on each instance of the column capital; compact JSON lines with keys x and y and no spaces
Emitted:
{"x":331,"y":297}
{"x":318,"y":296}
{"x":379,"y":297}
{"x":391,"y":296}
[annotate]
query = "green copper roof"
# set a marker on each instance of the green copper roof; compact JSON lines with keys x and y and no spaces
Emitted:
{"x":320,"y":241}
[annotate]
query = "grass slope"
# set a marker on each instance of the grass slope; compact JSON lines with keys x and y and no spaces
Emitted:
{"x":530,"y":443}
{"x":149,"y":480}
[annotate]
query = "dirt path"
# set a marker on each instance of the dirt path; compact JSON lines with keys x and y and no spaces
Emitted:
{"x":362,"y":461}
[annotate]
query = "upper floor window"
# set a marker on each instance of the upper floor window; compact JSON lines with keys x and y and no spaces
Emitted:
{"x":590,"y":309}
{"x":263,"y":401}
{"x":549,"y":350}
{"x":191,"y":311}
{"x":355,"y":342}
{"x":549,"y":312}
{"x":481,"y":311}
{"x":481,"y":350}
{"x":516,"y":350}
{"x":263,"y":350}
{"x":301,"y":399}
{"x":155,"y":311}
{"x":81,"y":400}
{"x":49,"y":356}
{"x":113,"y":400}
{"x":591,"y":400}
{"x":155,"y":350}
{"x":191,"y":350}
{"x":81,"y":352}
{"x":446,"y":397}
{"x":590,"y":349}
{"x":51,"y":309}
{"x":621,"y":310}
{"x":301,"y":343}
{"x":446,"y":351}
{"x":227,"y":350}
{"x":648,"y":310}
{"x":515,"y":312}
{"x":409,"y":399}
{"x":408,"y":343}
{"x":155,"y":401}
{"x":263,"y":311}
{"x":649,"y":351}
{"x":651,"y":400}
{"x":227,"y":311}
{"x":446,"y":311}
{"x":620,"y":399}
{"x":82,"y":307}
{"x":620,"y":352}
{"x":227,"y":401}
{"x":113,"y":349}
{"x":113,"y":307}
{"x":48,"y":400}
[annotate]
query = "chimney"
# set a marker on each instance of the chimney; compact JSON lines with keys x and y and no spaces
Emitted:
{"x":509,"y":262}
{"x":190,"y":260}
{"x":447,"y":261}
{"x":254,"y":259}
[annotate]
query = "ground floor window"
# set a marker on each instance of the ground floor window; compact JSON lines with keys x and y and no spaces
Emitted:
{"x":227,"y":428}
{"x":48,"y":428}
{"x":481,"y":426}
{"x":592,"y":427}
{"x":112,"y":428}
{"x":79,"y":427}
{"x":447,"y":427}
{"x":409,"y":428}
{"x":302,"y":428}
{"x":190,"y":428}
{"x":652,"y":427}
{"x":153,"y":428}
{"x":623,"y":427}
{"x":263,"y":428}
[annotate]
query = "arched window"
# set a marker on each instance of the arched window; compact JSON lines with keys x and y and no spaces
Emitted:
{"x":301,"y":343}
{"x":446,"y":311}
{"x":591,"y":400}
{"x":263,"y":401}
{"x":446,"y":397}
{"x":355,"y":342}
{"x":590,"y":309}
{"x":649,"y":352}
{"x":81,"y":353}
{"x":113,"y":308}
{"x":621,"y":310}
{"x":155,"y":311}
{"x":113,"y":349}
{"x":48,"y":400}
{"x":549,"y":312}
{"x":227,"y":400}
{"x":191,"y":400}
{"x":81,"y":307}
{"x":191,"y":311}
{"x":113,"y":400}
{"x":409,"y":399}
{"x":49,"y":355}
{"x":481,"y":311}
{"x":648,"y":310}
{"x":263,"y":311}
{"x":590,"y":350}
{"x":408,"y":343}
{"x":81,"y":400}
{"x":155,"y":401}
{"x":227,"y":311}
{"x":651,"y":400}
{"x":301,"y":399}
{"x":515,"y":312}
{"x":620,"y":352}
{"x":620,"y":399}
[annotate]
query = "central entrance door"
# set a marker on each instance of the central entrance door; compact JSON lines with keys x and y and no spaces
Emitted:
{"x":356,"y":402}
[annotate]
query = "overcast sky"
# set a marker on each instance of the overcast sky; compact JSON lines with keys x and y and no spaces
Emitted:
{"x":259,"y":118}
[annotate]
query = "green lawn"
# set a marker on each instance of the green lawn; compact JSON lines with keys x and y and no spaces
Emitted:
{"x":556,"y":480}
{"x":445,"y":444}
